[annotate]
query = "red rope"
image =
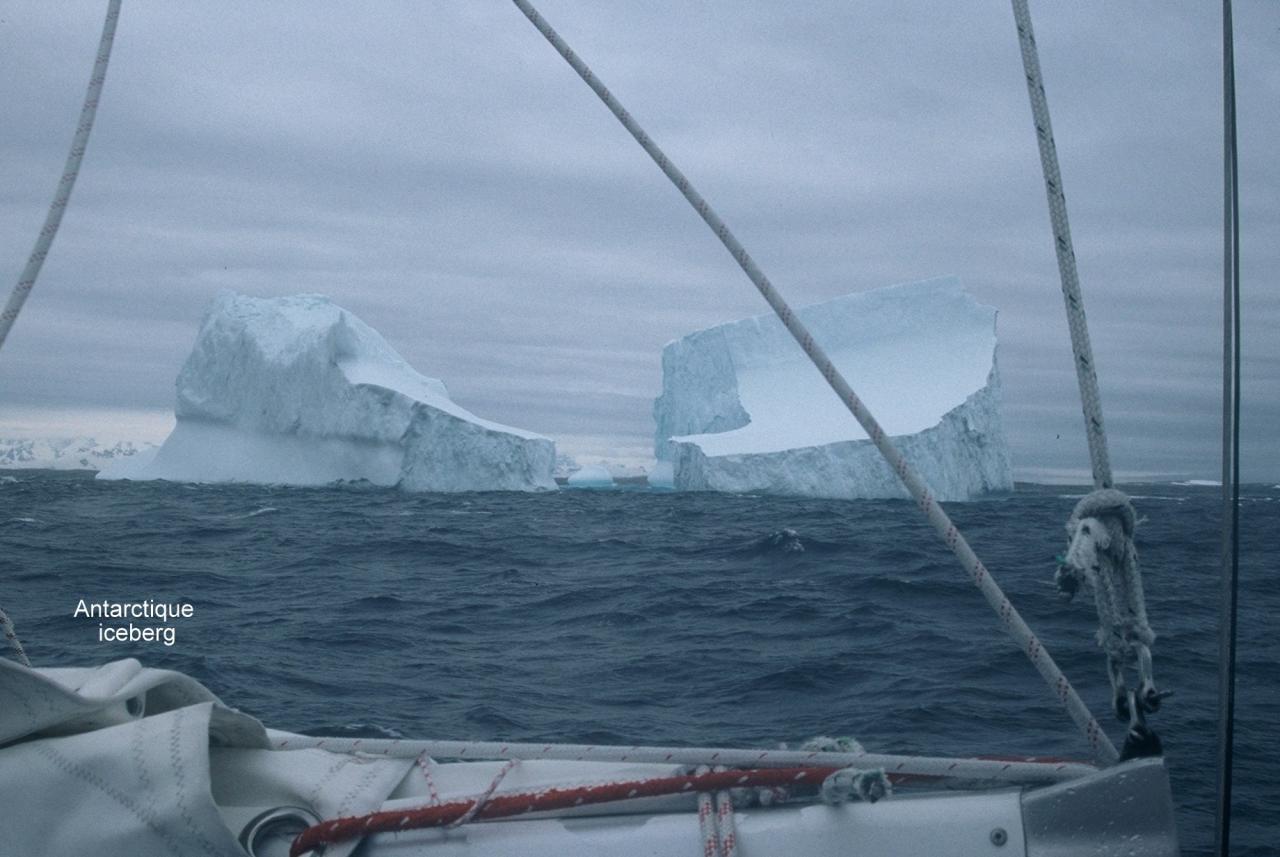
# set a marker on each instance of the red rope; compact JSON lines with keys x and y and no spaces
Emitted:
{"x":503,"y":806}
{"x":553,"y":798}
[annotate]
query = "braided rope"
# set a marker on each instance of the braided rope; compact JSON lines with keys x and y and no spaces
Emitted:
{"x":10,"y":634}
{"x":1086,"y":375}
{"x":27,"y":280}
{"x":425,"y":763}
{"x":707,"y":826}
{"x":715,"y":821}
{"x":724,"y":823}
{"x":1099,"y":743}
{"x":1021,"y":770}
{"x":484,"y":798}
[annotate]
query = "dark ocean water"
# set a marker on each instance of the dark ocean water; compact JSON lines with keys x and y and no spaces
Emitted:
{"x":635,"y":617}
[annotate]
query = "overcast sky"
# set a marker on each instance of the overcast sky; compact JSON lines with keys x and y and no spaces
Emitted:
{"x":437,"y":169}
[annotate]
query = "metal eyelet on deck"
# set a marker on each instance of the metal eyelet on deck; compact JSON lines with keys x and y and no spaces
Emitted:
{"x":999,"y":836}
{"x":282,"y":824}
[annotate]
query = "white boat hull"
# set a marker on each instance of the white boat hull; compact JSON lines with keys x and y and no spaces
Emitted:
{"x":122,"y":761}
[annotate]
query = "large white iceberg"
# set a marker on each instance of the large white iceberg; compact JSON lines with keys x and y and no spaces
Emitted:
{"x":298,"y":391}
{"x":742,"y":409}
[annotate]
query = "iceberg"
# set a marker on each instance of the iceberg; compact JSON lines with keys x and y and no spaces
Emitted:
{"x":743,"y":410}
{"x":297,"y":390}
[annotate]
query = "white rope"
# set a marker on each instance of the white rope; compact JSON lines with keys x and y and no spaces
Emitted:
{"x":78,"y":144}
{"x":484,"y":798}
{"x":11,"y":635}
{"x":1112,"y":573}
{"x":1086,"y":375}
{"x":725,"y":826}
{"x":1099,"y":743}
{"x":943,"y":767}
{"x":707,"y":825}
{"x":1102,"y":553}
{"x":425,"y":763}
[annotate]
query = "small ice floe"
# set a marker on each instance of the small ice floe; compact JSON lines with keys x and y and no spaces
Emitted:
{"x":785,"y":540}
{"x":591,"y":476}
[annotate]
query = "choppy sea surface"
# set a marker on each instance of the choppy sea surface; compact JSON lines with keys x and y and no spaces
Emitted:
{"x":646,"y":617}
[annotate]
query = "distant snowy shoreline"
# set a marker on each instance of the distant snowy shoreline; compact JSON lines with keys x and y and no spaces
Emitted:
{"x":66,"y":453}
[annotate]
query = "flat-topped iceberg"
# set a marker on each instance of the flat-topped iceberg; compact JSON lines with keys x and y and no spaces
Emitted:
{"x":298,"y":391}
{"x":742,"y":409}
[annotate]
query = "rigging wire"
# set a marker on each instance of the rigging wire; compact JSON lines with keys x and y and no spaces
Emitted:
{"x":27,"y":280}
{"x":1230,"y":440}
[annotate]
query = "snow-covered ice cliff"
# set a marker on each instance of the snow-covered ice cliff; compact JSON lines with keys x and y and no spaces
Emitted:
{"x":742,"y":409}
{"x":297,"y":390}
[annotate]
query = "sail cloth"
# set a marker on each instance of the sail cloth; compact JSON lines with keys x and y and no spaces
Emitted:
{"x":125,"y":761}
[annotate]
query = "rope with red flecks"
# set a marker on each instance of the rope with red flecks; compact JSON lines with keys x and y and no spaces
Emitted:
{"x":425,"y":763}
{"x":715,"y":821}
{"x":1086,"y":373}
{"x":484,"y":798}
{"x":1021,"y":770}
{"x":724,"y":824}
{"x":707,"y":826}
{"x":505,"y":806}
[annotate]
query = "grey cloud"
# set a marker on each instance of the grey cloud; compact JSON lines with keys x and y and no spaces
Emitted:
{"x":439,"y":171}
